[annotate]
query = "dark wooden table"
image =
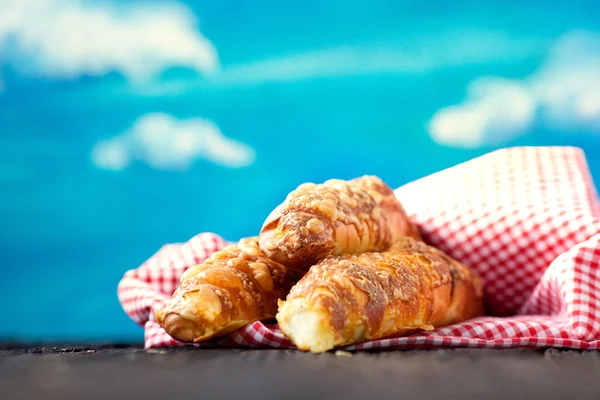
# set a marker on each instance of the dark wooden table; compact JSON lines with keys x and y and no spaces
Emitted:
{"x":129,"y":372}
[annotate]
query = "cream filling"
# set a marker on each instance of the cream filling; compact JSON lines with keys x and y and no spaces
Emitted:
{"x":309,"y":328}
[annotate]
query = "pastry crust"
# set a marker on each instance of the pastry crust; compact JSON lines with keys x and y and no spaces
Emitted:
{"x":348,"y":299}
{"x":333,"y":218}
{"x":232,"y":288}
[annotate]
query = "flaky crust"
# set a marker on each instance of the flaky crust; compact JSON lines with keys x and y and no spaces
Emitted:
{"x":348,"y":299}
{"x":232,"y":288}
{"x":336,"y":217}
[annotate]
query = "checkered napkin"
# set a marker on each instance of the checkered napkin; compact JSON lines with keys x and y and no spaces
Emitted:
{"x":526,"y":218}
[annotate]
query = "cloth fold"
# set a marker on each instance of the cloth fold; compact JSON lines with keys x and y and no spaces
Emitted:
{"x":526,"y":218}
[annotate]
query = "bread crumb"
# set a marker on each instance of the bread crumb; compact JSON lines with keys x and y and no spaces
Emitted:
{"x":156,"y":351}
{"x":341,"y":353}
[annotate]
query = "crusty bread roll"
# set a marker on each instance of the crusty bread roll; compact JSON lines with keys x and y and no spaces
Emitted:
{"x":232,"y":288}
{"x":332,"y":218}
{"x":348,"y":299}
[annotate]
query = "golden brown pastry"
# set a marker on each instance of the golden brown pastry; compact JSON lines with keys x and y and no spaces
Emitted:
{"x":333,"y":218}
{"x":232,"y":288}
{"x":349,"y":299}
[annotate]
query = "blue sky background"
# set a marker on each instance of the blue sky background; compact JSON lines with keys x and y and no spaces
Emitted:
{"x":127,"y":125}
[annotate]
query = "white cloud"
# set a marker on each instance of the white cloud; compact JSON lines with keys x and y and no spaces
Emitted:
{"x":164,"y":142}
{"x":420,"y":53}
{"x":568,"y":85}
{"x":563,"y":94}
{"x":495,"y":110}
{"x":70,"y":38}
{"x":335,"y":62}
{"x":415,"y":54}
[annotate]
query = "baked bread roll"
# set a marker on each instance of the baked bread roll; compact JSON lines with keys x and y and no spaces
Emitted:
{"x":349,"y":299}
{"x":232,"y":288}
{"x":333,"y":218}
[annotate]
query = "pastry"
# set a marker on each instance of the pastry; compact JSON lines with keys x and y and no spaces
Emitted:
{"x":348,"y":299}
{"x":232,"y":288}
{"x":332,"y":218}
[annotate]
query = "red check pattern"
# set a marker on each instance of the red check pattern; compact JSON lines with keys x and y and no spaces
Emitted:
{"x":527,"y":219}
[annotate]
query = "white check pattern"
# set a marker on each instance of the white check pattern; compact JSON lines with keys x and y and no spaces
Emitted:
{"x":526,"y":218}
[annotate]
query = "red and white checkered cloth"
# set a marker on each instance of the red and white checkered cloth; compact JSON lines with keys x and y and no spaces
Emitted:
{"x":526,"y":218}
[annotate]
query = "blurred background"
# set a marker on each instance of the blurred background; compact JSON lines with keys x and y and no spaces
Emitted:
{"x":125,"y":125}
